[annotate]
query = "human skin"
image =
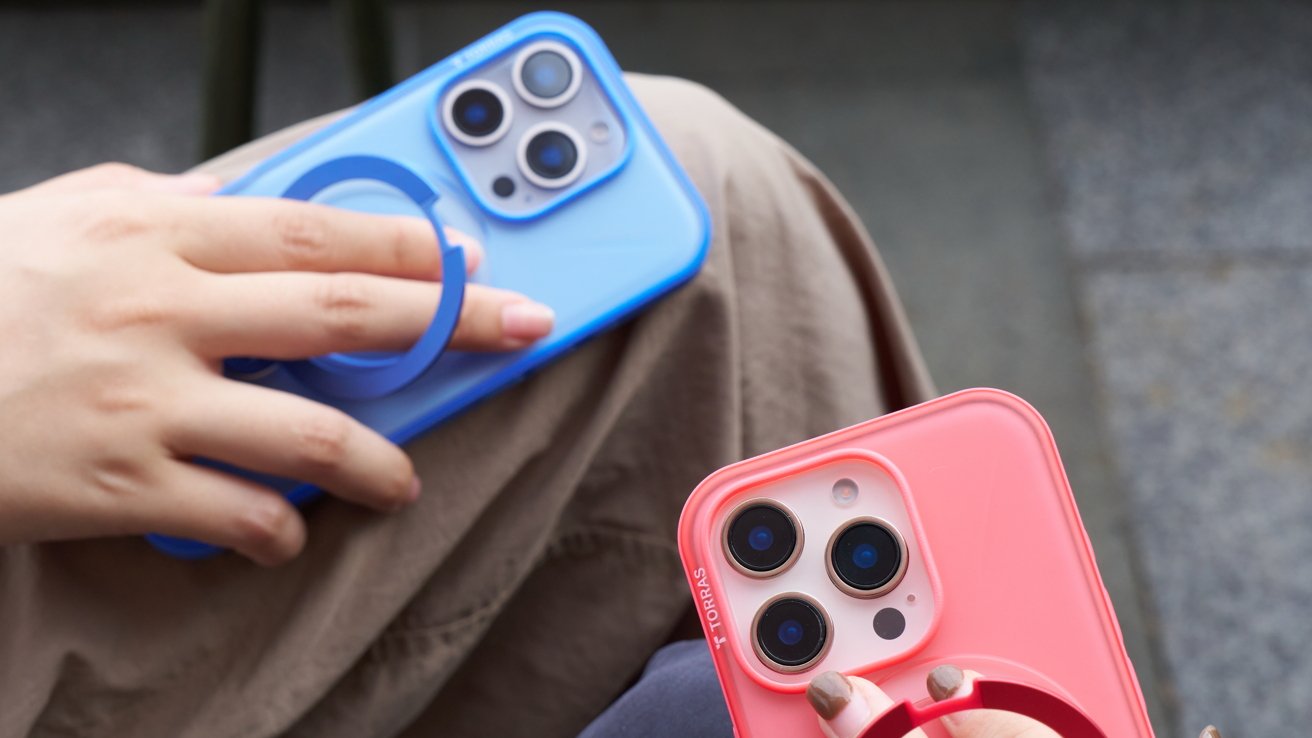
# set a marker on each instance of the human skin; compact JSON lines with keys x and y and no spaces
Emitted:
{"x":846,"y":705}
{"x":123,"y":291}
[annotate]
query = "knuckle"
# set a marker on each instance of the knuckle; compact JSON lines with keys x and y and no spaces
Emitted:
{"x":322,"y":441}
{"x":344,"y":304}
{"x":302,"y":236}
{"x":131,"y":311}
{"x":118,"y":478}
{"x":119,"y":393}
{"x":404,"y":247}
{"x":261,"y":524}
{"x":115,"y":174}
{"x":112,"y":219}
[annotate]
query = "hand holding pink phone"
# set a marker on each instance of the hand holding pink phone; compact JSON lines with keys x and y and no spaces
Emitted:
{"x":942,"y":535}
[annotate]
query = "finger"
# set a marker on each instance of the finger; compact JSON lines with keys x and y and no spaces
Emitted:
{"x":265,"y":234}
{"x":292,"y":315}
{"x":225,"y":510}
{"x":845,"y":706}
{"x":115,"y":176}
{"x":948,"y":681}
{"x":286,"y":435}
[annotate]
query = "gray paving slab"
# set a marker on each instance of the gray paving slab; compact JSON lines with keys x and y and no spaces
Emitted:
{"x":1206,"y":377}
{"x":1181,"y":127}
{"x":87,"y":85}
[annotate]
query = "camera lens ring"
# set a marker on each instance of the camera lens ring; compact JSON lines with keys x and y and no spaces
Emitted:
{"x":737,"y":512}
{"x":814,"y":655}
{"x":551,"y":183}
{"x":550,"y":47}
{"x":894,"y":577}
{"x":449,"y":119}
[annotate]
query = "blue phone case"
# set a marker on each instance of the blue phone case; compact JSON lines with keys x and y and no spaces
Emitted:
{"x":594,"y":257}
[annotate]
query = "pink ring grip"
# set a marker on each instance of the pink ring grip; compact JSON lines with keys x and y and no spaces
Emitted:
{"x":990,"y":694}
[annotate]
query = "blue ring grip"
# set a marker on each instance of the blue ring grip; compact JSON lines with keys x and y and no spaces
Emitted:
{"x":343,"y":375}
{"x":361,"y":377}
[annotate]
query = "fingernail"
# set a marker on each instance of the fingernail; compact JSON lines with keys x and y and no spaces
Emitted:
{"x":944,"y":681}
{"x":829,"y":693}
{"x":833,"y":699}
{"x":526,"y":320}
{"x":413,"y":493}
{"x":473,"y":254}
{"x":1210,"y":732}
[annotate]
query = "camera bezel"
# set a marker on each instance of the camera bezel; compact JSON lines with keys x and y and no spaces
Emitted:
{"x":904,"y":558}
{"x":449,"y":99}
{"x":799,"y":537}
{"x":575,"y":70}
{"x":810,"y":663}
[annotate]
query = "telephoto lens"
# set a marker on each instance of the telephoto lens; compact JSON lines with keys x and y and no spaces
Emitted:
{"x":867,"y":558}
{"x":791,"y":633}
{"x":761,"y":539}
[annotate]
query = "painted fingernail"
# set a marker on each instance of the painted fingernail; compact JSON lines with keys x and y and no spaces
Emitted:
{"x":1210,"y":732}
{"x":412,"y":494}
{"x":833,"y":699}
{"x":829,"y":693}
{"x":944,"y":681}
{"x":526,"y":320}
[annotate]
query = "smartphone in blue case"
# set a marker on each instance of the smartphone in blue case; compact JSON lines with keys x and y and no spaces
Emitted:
{"x":530,"y":141}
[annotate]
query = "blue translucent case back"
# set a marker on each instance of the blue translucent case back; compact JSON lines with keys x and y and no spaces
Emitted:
{"x":594,"y":258}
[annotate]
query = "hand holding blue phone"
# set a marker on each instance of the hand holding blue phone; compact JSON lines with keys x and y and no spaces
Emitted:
{"x":530,"y":141}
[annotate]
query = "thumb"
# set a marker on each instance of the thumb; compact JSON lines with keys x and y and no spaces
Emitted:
{"x":949,"y":681}
{"x":845,"y":706}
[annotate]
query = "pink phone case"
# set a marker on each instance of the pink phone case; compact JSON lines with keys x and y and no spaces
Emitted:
{"x":999,"y":574}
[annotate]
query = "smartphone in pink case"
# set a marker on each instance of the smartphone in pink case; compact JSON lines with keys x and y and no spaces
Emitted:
{"x":942,"y":534}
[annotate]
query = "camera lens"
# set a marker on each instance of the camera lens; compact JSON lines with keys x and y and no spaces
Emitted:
{"x":546,"y":74}
{"x":551,"y":155}
{"x":791,"y":633}
{"x":477,"y":113}
{"x":867,"y":558}
{"x":761,"y":538}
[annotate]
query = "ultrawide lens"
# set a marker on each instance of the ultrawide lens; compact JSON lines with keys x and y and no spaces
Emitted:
{"x":761,"y":538}
{"x":791,"y":633}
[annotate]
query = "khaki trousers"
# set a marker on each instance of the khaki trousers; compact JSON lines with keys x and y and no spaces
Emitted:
{"x":539,"y":571}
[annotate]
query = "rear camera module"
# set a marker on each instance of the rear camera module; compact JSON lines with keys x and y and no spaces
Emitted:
{"x":791,"y":633}
{"x":546,"y":74}
{"x":551,"y":155}
{"x":867,"y":558}
{"x":476,"y":113}
{"x":761,"y":539}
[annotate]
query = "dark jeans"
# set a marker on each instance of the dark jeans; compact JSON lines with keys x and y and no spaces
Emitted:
{"x":677,"y":696}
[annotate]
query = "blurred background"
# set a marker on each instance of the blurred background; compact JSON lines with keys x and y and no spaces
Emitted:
{"x":1106,"y":208}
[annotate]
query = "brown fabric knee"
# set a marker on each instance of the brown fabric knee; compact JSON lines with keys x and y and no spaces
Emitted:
{"x":539,"y":570}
